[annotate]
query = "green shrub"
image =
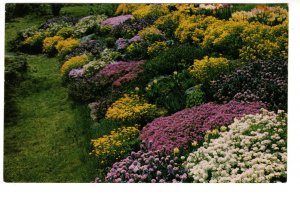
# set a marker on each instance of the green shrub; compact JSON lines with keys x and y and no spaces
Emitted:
{"x":136,"y":51}
{"x":169,"y":91}
{"x":65,"y":32}
{"x":194,"y":97}
{"x":173,"y":59}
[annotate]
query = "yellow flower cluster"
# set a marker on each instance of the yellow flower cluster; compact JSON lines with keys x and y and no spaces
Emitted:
{"x":50,"y":42}
{"x":150,"y":33}
{"x":208,"y":67}
{"x":264,"y":42}
{"x":130,"y":108}
{"x":65,"y":46}
{"x":150,"y":10}
{"x":35,"y":39}
{"x":168,"y":23}
{"x":192,"y":28}
{"x":65,"y":32}
{"x":186,"y":8}
{"x":263,"y":14}
{"x":73,"y":62}
{"x":116,"y":145}
{"x":224,"y":34}
{"x":156,"y":48}
{"x":127,"y":8}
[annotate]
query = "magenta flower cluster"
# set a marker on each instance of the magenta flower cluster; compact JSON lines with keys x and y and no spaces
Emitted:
{"x":117,"y":20}
{"x":122,"y":71}
{"x":182,"y":128}
{"x":147,"y":167}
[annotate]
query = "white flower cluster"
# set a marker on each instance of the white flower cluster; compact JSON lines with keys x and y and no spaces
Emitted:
{"x":253,"y":150}
{"x":106,"y":57}
{"x":87,"y":23}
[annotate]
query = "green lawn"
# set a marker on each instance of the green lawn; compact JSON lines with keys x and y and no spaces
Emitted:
{"x":50,"y":140}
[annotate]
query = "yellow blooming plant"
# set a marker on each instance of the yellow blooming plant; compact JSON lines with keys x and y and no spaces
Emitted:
{"x":168,"y":23}
{"x":224,"y":37}
{"x":35,"y":42}
{"x":73,"y":62}
{"x":49,"y":44}
{"x":208,"y":67}
{"x":131,"y":108}
{"x":150,"y":10}
{"x":151,"y":34}
{"x":65,"y":46}
{"x":126,"y":8}
{"x":264,"y":42}
{"x":192,"y":28}
{"x":116,"y":145}
{"x":65,"y":32}
{"x":156,"y":48}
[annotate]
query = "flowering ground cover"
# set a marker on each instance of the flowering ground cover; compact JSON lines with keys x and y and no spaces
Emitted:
{"x":176,"y":92}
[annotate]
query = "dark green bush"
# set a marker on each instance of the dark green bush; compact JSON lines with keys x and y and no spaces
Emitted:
{"x":15,"y":68}
{"x":174,"y":59}
{"x":169,"y":91}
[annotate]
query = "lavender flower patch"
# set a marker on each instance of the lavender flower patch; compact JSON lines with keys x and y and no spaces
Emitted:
{"x":121,"y":43}
{"x":147,"y":167}
{"x":182,"y":128}
{"x":76,"y":73}
{"x":135,"y":38}
{"x":117,"y":20}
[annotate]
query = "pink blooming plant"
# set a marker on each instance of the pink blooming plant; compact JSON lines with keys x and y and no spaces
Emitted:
{"x":182,"y":128}
{"x":117,"y":20}
{"x":122,"y":71}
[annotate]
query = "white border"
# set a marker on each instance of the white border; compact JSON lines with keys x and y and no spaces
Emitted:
{"x":287,"y":189}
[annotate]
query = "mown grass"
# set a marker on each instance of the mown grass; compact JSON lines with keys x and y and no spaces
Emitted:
{"x":50,"y":139}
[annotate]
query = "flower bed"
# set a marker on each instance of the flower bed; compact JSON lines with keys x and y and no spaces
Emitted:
{"x":182,"y":128}
{"x":253,"y":150}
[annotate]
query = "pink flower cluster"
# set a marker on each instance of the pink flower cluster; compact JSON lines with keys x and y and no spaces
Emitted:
{"x":117,"y":20}
{"x":182,"y":128}
{"x":122,"y":71}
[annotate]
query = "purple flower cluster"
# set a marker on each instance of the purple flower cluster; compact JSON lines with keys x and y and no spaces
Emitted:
{"x":182,"y":128}
{"x":263,"y":80}
{"x":135,"y":38}
{"x":147,"y":167}
{"x":117,"y":20}
{"x":121,"y":43}
{"x":76,"y":73}
{"x":122,"y":71}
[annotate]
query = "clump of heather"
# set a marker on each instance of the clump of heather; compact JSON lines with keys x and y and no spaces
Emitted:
{"x":264,"y":80}
{"x":147,"y":167}
{"x":254,"y":150}
{"x":122,"y":71}
{"x":182,"y":128}
{"x":117,"y":20}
